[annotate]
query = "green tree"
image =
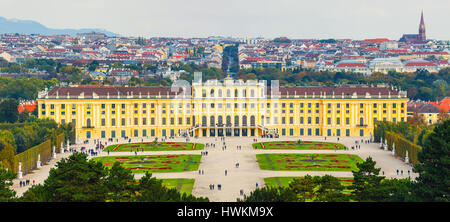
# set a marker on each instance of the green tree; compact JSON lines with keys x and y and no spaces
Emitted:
{"x":75,"y":179}
{"x":117,"y":184}
{"x":367,"y":182}
{"x":305,"y":188}
{"x":7,"y":157}
{"x":6,"y":177}
{"x":8,"y":110}
{"x":434,"y":166}
{"x":330,"y":190}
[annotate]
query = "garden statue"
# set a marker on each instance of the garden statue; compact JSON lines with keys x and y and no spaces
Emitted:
{"x":53,"y":154}
{"x":393,"y":148}
{"x":406,"y":157}
{"x":38,"y":163}
{"x":19,"y":173}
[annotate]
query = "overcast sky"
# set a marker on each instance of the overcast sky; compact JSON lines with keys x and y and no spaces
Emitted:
{"x":356,"y":19}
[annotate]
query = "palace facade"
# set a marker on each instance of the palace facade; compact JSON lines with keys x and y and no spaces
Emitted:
{"x":223,"y":108}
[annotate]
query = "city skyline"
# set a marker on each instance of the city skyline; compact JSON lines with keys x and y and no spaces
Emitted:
{"x":268,"y":19}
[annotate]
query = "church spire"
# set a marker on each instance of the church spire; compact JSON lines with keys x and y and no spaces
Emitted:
{"x":422,"y":37}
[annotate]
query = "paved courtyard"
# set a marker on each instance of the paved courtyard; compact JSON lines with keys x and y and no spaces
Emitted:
{"x":248,"y":173}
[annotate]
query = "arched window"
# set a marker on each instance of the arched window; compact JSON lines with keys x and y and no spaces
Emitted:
{"x":236,"y":120}
{"x":204,"y":93}
{"x":244,"y":93}
{"x":88,"y":122}
{"x":212,"y":93}
{"x":228,"y":93}
{"x":236,"y":93}
{"x":361,"y":121}
{"x":252,"y":93}
{"x":228,"y":120}
{"x":252,"y":120}
{"x":220,"y":93}
{"x":220,"y":120}
{"x":212,"y":121}
{"x":203,"y":120}
{"x":244,"y":120}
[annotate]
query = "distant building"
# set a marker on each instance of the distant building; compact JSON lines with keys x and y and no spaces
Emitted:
{"x":416,"y":38}
{"x":384,"y":65}
{"x":91,"y":36}
{"x":389,"y":45}
{"x":415,"y":64}
{"x":429,"y":112}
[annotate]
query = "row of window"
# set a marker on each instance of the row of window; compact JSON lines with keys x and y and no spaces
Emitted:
{"x":228,"y":132}
{"x":228,"y":105}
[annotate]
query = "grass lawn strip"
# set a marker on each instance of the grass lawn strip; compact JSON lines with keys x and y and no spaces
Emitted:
{"x":308,"y":162}
{"x":150,"y":146}
{"x":285,"y":181}
{"x":183,"y":185}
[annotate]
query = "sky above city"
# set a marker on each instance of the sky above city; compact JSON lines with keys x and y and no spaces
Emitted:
{"x":319,"y":19}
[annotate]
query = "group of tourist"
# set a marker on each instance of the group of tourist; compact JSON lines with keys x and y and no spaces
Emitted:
{"x":210,"y":145}
{"x":26,"y":183}
{"x":211,"y":186}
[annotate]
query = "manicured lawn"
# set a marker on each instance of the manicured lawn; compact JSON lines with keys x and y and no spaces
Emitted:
{"x":293,"y":145}
{"x":284,"y":181}
{"x":154,"y":163}
{"x":308,"y":162}
{"x":181,"y":184}
{"x":150,"y":146}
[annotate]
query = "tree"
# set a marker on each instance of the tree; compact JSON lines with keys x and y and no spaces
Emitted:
{"x":330,"y":190}
{"x":304,"y":188}
{"x":367,"y":182}
{"x":74,"y":179}
{"x":434,"y":166}
{"x":6,"y":177}
{"x":118,"y":183}
{"x":6,"y":137}
{"x":7,"y":157}
{"x":442,"y":116}
{"x":8,"y":110}
{"x":93,"y":66}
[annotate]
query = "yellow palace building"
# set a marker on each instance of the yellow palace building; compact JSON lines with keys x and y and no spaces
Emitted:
{"x":222,"y":108}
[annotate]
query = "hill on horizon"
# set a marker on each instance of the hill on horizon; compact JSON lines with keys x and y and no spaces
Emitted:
{"x":32,"y":27}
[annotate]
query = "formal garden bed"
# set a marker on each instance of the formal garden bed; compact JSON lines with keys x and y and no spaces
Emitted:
{"x":154,"y":163}
{"x":298,"y":145}
{"x":154,"y":146}
{"x":308,"y":162}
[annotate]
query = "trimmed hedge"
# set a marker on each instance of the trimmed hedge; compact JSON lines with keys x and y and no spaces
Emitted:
{"x":402,"y":145}
{"x":30,"y":156}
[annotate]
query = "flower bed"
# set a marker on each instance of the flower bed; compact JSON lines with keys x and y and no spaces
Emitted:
{"x":308,"y":162}
{"x":153,"y":163}
{"x":304,"y":145}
